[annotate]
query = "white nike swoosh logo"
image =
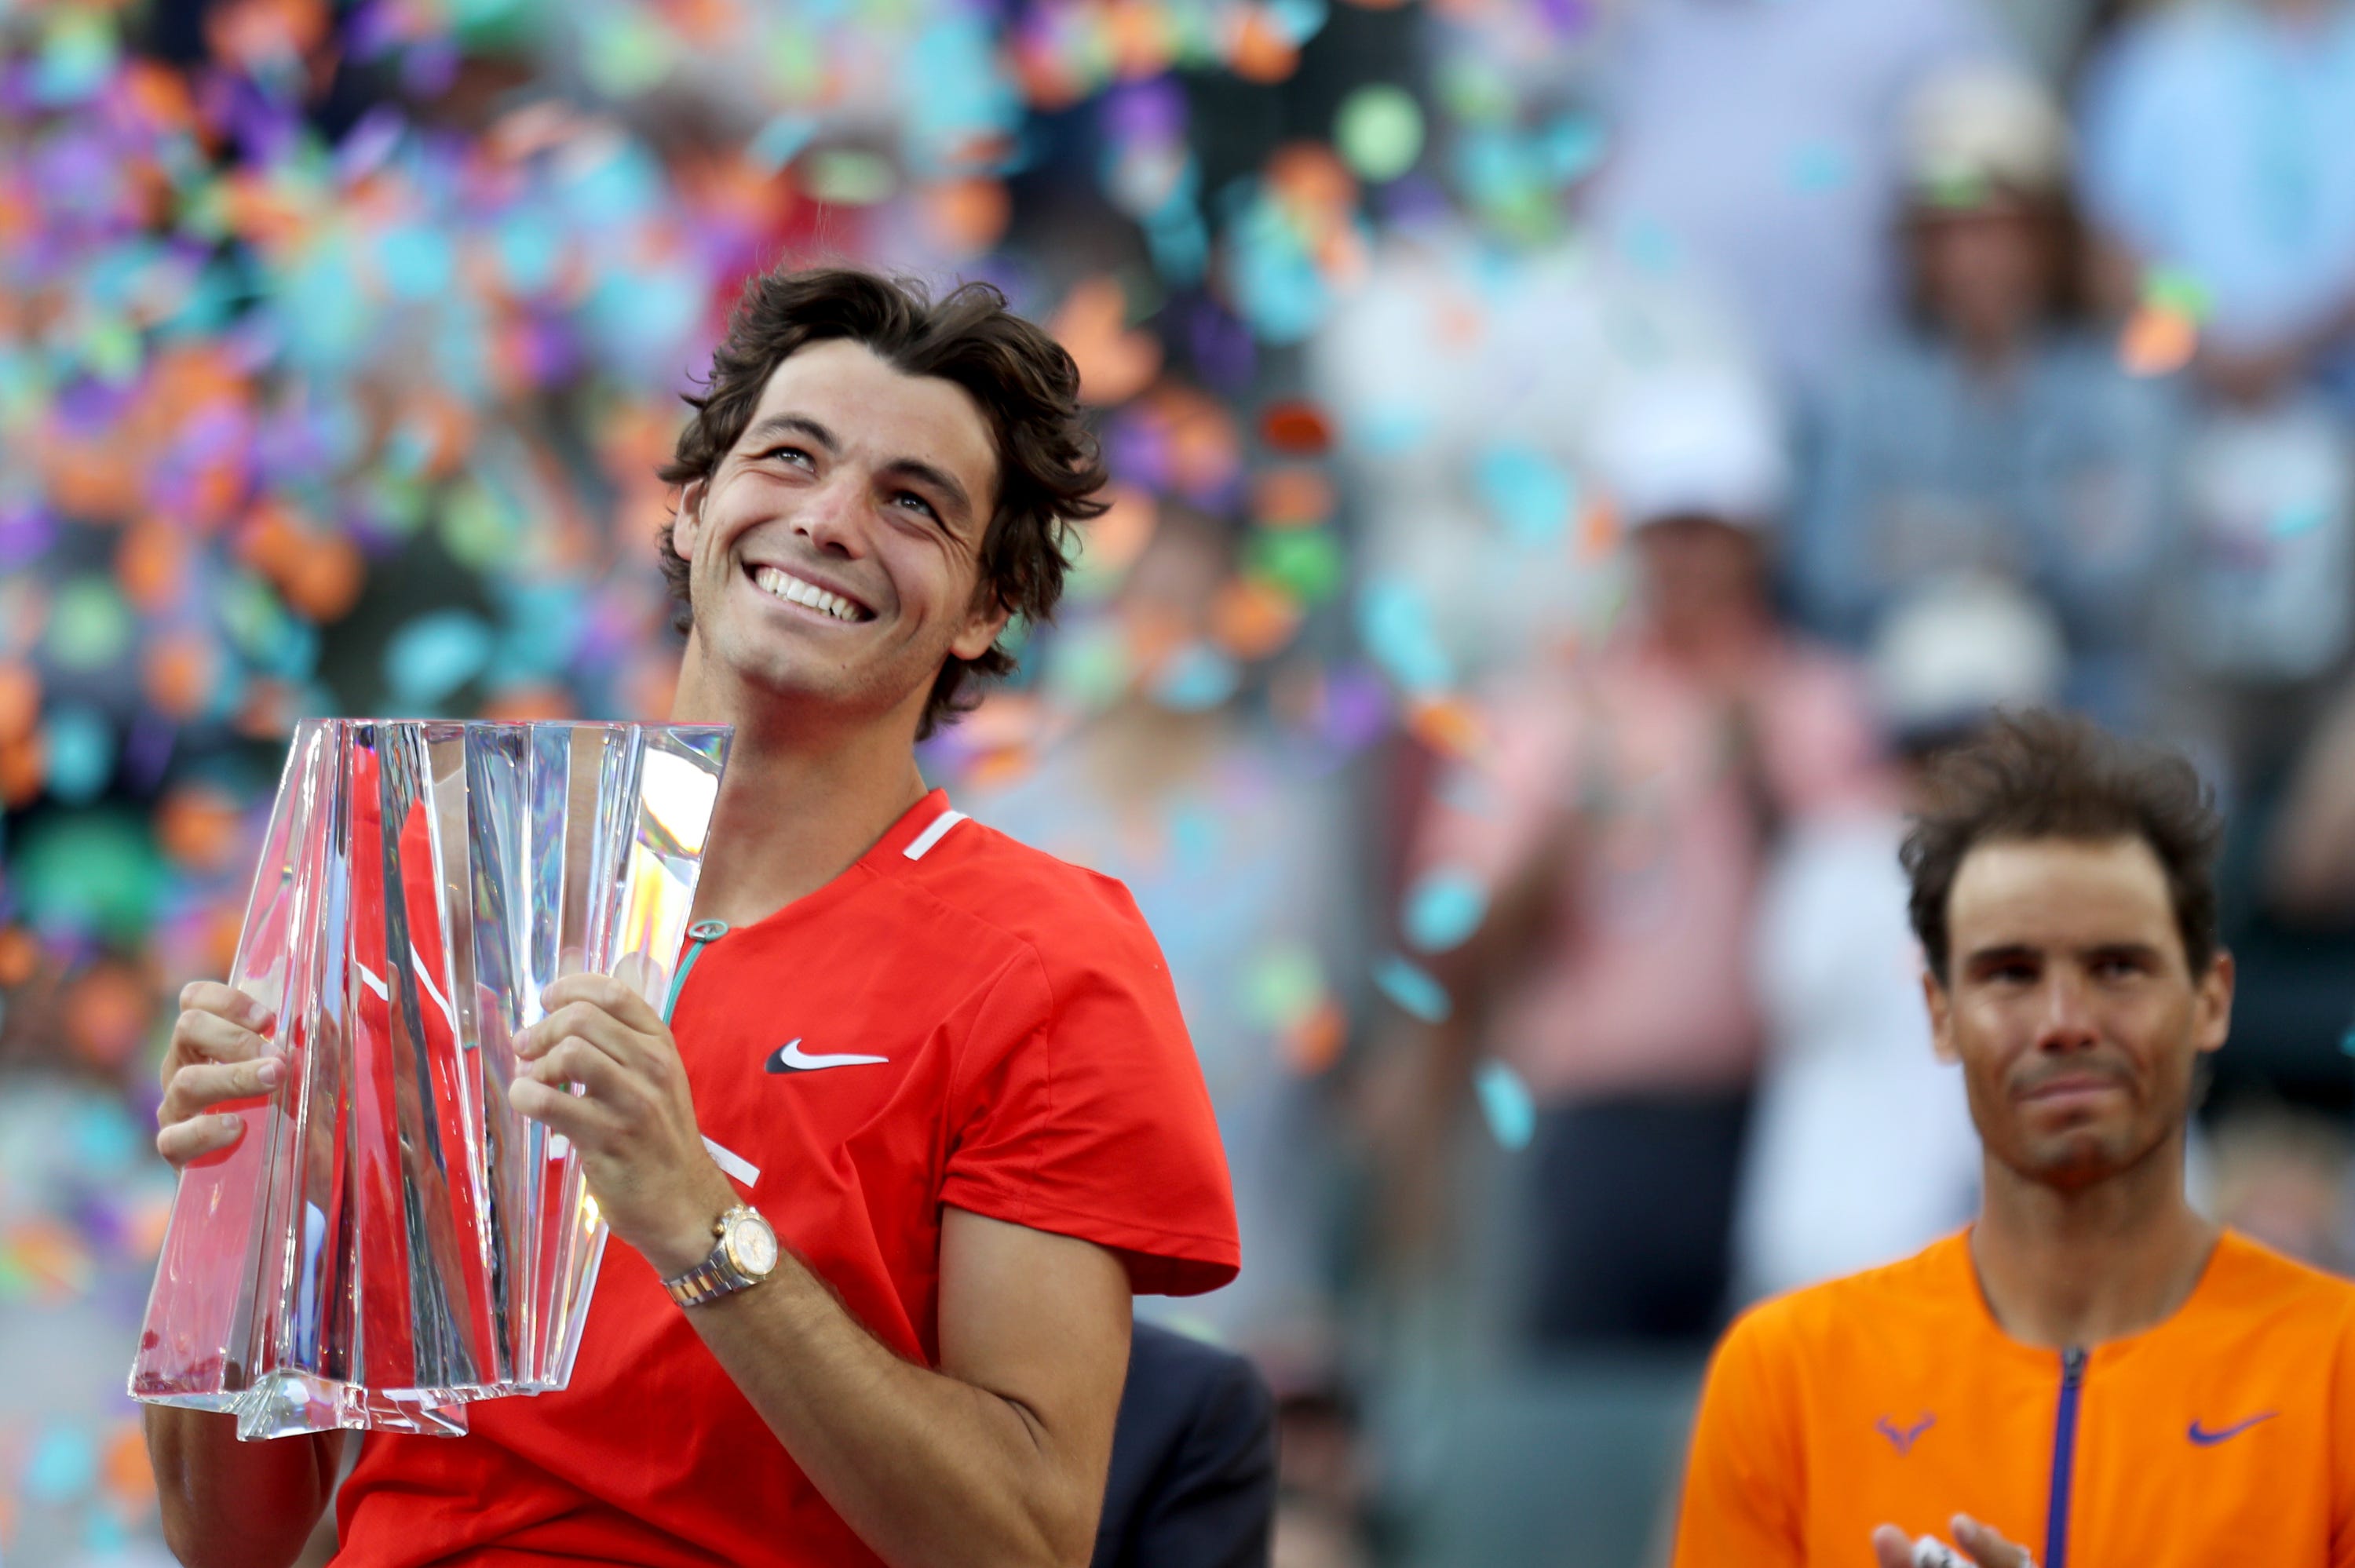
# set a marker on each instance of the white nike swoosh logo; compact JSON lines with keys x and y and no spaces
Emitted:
{"x":791,"y":1058}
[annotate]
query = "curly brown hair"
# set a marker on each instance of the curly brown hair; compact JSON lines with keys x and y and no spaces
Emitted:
{"x":2040,"y":774}
{"x":1050,"y":467}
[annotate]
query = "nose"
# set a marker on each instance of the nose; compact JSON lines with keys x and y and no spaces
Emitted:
{"x":829,"y":513}
{"x":2067,"y":1022}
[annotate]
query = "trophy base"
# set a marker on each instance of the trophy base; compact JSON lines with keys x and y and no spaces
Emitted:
{"x":287,"y":1403}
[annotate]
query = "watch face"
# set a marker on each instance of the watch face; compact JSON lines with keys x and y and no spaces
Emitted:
{"x":752,"y":1245}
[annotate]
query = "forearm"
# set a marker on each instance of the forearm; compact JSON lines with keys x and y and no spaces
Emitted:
{"x":929,"y":1471}
{"x":251,"y":1505}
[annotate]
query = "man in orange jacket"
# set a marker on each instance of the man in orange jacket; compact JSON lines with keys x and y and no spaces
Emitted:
{"x":2092,"y":1374}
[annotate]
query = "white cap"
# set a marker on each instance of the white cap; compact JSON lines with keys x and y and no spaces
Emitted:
{"x":1980,"y":126}
{"x":1692,"y":442}
{"x":1961,"y":646}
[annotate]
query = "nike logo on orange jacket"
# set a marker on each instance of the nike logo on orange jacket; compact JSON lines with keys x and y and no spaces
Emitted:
{"x":2226,"y":1434}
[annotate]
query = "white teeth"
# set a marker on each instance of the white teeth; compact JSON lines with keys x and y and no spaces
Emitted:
{"x":787,"y":585}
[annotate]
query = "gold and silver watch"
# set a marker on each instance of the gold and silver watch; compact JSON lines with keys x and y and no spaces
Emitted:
{"x":745,"y":1255}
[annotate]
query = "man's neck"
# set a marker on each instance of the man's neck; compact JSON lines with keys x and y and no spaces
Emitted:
{"x":800,"y":801}
{"x":2065,"y":1267}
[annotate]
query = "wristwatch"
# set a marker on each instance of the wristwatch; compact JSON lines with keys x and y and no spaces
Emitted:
{"x":745,"y":1255}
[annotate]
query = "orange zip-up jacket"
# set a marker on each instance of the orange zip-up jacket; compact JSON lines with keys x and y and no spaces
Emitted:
{"x":2224,"y":1436}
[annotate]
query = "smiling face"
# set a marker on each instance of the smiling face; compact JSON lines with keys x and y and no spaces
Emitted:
{"x":834,"y":552}
{"x":2069,"y":1005}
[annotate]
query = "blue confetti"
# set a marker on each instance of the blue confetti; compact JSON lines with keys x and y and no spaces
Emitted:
{"x":434,"y":655}
{"x":1443,"y":908}
{"x":63,"y":1465}
{"x":1395,"y":625}
{"x":1820,"y":166}
{"x":419,"y":262}
{"x":779,"y":141}
{"x":1413,"y":988}
{"x":1386,"y":429}
{"x":1505,"y":1102}
{"x":1527,"y":496}
{"x":82,"y":753}
{"x":1572,"y":147}
{"x":1196,"y":679}
{"x":2302,"y":518}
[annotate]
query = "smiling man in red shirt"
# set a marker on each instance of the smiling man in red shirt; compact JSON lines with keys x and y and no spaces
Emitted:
{"x":923,"y":1115}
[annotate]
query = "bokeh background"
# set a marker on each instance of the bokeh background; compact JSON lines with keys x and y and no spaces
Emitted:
{"x":1573,"y":457}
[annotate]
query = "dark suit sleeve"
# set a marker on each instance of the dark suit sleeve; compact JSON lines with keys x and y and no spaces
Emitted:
{"x":1193,"y":1472}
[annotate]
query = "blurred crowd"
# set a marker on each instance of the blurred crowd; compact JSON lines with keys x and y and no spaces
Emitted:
{"x":1572,"y":459}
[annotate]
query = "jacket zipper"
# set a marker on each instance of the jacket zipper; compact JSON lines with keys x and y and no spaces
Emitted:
{"x":2065,"y":1453}
{"x":700,"y":936}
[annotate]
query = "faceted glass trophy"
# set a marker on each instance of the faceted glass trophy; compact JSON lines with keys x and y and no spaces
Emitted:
{"x":390,"y":1239}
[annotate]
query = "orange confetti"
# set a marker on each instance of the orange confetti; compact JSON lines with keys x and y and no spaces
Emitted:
{"x":106,"y":1011}
{"x":1297,"y":425}
{"x":221,"y":930}
{"x":268,"y":711}
{"x":1115,"y":363}
{"x":1261,"y":51}
{"x":966,"y":217}
{"x":20,"y":953}
{"x":323,"y":582}
{"x":1144,"y":42}
{"x":20,"y":702}
{"x":125,"y":1470}
{"x":157,"y":93}
{"x":177,"y":672}
{"x":2157,"y":341}
{"x":1291,"y":496}
{"x":152,"y":564}
{"x":998,"y":769}
{"x":1314,"y":1044}
{"x":1252,"y":620}
{"x":54,"y":1256}
{"x":1449,"y":725}
{"x":196,"y":825}
{"x":1312,"y":178}
{"x":24,"y":764}
{"x":1204,"y":449}
{"x":1598,"y":530}
{"x":1113,"y":541}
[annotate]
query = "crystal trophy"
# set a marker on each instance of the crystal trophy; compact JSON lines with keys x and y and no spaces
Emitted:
{"x":390,"y":1239}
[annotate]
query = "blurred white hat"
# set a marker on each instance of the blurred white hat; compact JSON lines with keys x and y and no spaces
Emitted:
{"x":1694,"y":440}
{"x":1960,"y":646}
{"x":1981,"y":126}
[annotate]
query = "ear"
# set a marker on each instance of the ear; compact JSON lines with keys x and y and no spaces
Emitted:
{"x":1941,"y":1017}
{"x":980,"y":628}
{"x":686,"y":521}
{"x":2211,"y":1005}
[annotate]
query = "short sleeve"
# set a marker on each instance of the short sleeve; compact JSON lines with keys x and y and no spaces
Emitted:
{"x":1742,"y":1487}
{"x":1078,"y":1107}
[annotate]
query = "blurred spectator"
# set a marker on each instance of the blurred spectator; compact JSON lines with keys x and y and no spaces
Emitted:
{"x":1231,"y":841}
{"x":1473,"y":375}
{"x":1619,"y":821}
{"x":2310,"y":860}
{"x":2259,"y":608}
{"x":1750,"y":148}
{"x":1995,"y":434}
{"x":1862,"y":1150}
{"x":2279,"y":1174}
{"x":1469,"y":365}
{"x":2219,"y":154}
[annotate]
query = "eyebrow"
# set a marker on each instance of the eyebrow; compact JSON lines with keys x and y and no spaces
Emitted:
{"x":2012,"y":952}
{"x":915,"y":469}
{"x":794,"y":425}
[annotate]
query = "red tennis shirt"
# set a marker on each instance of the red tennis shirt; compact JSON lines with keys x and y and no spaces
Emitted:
{"x":1035,"y":1070}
